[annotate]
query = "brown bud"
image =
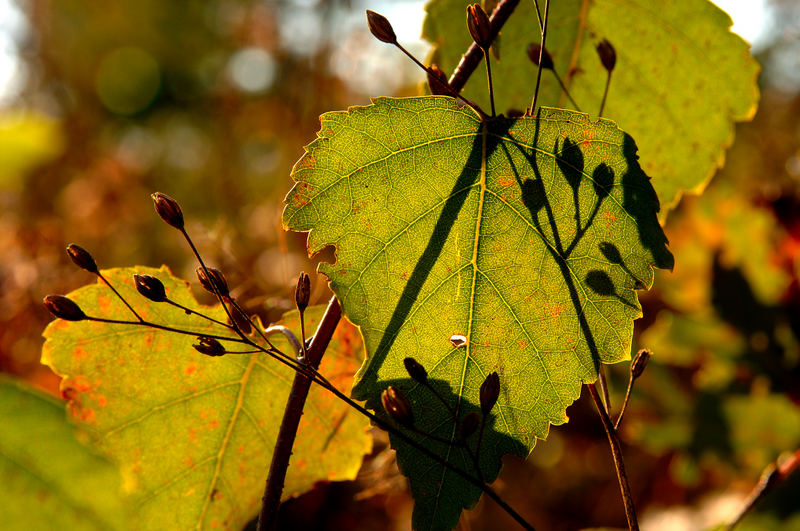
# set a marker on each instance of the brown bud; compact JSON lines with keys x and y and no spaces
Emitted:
{"x":302,"y":292}
{"x":479,"y":26}
{"x":608,"y":55}
{"x":209,"y":346}
{"x":380,"y":27}
{"x":437,"y":81}
{"x":81,"y":258}
{"x":397,"y":406}
{"x":213,"y":280}
{"x":416,"y":370}
{"x":640,"y":362}
{"x":241,"y":320}
{"x":64,"y":308}
{"x":150,"y":287}
{"x":490,"y":392}
{"x":469,"y":424}
{"x":533,"y":55}
{"x":168,"y":209}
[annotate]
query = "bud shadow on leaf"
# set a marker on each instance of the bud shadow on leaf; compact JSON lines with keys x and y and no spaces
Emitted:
{"x":441,"y":494}
{"x":601,"y":284}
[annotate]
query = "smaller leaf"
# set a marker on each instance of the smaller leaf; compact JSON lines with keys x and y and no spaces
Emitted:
{"x":46,"y":474}
{"x":193,"y":433}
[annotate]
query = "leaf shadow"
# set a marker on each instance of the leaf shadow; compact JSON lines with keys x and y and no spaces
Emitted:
{"x":638,"y":201}
{"x":461,"y":189}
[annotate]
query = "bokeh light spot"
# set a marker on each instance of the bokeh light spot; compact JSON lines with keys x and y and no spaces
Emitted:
{"x":127,"y":80}
{"x":252,"y":69}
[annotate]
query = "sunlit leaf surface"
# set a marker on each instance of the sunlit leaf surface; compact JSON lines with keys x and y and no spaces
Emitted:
{"x":49,"y":479}
{"x":681,"y":79}
{"x":528,"y":237}
{"x":194,"y":434}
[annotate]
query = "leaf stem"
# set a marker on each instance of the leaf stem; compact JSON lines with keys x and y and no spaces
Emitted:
{"x":189,"y":311}
{"x":619,"y":463}
{"x":489,"y":76}
{"x":566,"y":91}
{"x":605,"y":94}
{"x":624,"y":402}
{"x":453,"y":93}
{"x":469,"y":61}
{"x":120,"y":297}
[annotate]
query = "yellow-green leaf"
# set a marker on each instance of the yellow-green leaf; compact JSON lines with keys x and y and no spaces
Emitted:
{"x":681,"y":79}
{"x":49,"y":479}
{"x":194,"y":434}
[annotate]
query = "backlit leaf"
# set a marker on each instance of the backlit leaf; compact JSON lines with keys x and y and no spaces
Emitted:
{"x":194,"y":434}
{"x":48,"y":477}
{"x":528,"y":237}
{"x":680,"y":82}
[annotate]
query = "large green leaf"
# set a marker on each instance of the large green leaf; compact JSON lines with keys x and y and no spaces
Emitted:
{"x":194,"y":434}
{"x":528,"y":237}
{"x":681,"y":79}
{"x":48,"y":477}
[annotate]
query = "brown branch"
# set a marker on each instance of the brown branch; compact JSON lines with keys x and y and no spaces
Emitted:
{"x":619,"y":463}
{"x":773,"y":475}
{"x":470,"y":60}
{"x":268,"y":518}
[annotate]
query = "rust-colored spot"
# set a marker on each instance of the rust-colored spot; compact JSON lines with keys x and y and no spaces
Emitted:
{"x":102,"y":401}
{"x":506,"y":181}
{"x":522,"y":343}
{"x":610,"y":217}
{"x":189,"y":462}
{"x":78,"y":353}
{"x":190,"y":369}
{"x":557,"y":310}
{"x":104,"y":303}
{"x":214,"y":424}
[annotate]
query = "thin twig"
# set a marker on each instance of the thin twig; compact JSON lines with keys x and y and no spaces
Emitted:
{"x":538,"y":15}
{"x":541,"y":51}
{"x":453,"y":93}
{"x":280,"y":329}
{"x":773,"y":475}
{"x":601,"y":377}
{"x":619,"y":463}
{"x":625,"y":402}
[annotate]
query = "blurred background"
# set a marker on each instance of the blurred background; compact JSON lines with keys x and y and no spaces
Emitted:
{"x":212,"y":102}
